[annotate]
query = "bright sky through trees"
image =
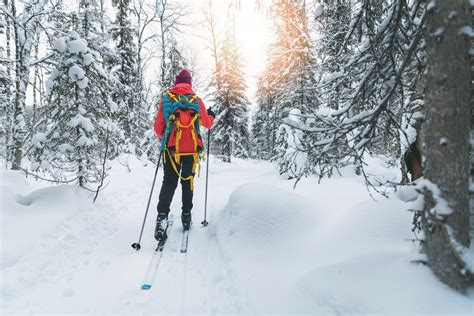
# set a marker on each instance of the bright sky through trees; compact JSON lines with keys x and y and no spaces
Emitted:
{"x":253,"y":34}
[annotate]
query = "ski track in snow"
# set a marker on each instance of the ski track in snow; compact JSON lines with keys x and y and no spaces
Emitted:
{"x":84,"y":263}
{"x":73,"y":267}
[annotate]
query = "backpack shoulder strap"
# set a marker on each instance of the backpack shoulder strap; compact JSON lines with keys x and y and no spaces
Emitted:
{"x":184,"y":101}
{"x":193,"y":98}
{"x":173,"y":97}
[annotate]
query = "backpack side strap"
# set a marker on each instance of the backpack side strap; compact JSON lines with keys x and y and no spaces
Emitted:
{"x":173,"y":157}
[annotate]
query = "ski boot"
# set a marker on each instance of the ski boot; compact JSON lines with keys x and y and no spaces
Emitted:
{"x":186,"y":220}
{"x":160,"y":229}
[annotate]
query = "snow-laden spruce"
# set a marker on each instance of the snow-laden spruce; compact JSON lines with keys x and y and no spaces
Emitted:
{"x":76,"y":121}
{"x":293,"y":161}
{"x":287,"y":82}
{"x":132,"y":116}
{"x":230,"y":132}
{"x":371,"y":68}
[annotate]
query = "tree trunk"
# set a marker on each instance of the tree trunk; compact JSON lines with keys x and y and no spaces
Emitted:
{"x":8,"y":106}
{"x":471,"y":191}
{"x":79,"y":151}
{"x":226,"y":149}
{"x":446,"y":141}
{"x":36,"y":89}
{"x":18,"y":122}
{"x":163,"y":46}
{"x":211,"y":24}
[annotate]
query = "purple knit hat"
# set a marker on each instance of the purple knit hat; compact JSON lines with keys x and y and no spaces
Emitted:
{"x":184,"y":76}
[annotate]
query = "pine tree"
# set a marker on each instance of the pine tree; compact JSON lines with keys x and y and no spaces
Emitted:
{"x":378,"y":60}
{"x":265,"y":121}
{"x":334,"y":18}
{"x":289,"y":79}
{"x":133,"y":117}
{"x":294,"y":159}
{"x":231,"y":135}
{"x":77,"y":122}
{"x":78,"y":119}
{"x":92,"y":25}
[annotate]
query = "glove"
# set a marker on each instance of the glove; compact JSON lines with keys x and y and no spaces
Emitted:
{"x":211,"y":113}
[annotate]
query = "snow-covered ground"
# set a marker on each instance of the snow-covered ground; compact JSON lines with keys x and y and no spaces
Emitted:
{"x":326,"y":249}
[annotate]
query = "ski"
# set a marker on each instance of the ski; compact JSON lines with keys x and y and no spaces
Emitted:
{"x":152,"y":270}
{"x":184,"y":241}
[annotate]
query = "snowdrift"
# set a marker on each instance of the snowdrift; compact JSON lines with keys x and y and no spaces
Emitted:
{"x":299,"y":257}
{"x":262,"y":221}
{"x":36,"y":213}
{"x":380,"y":284}
{"x":264,"y":233}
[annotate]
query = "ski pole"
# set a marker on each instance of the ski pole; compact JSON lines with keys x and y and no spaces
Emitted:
{"x":205,"y":222}
{"x":136,"y":245}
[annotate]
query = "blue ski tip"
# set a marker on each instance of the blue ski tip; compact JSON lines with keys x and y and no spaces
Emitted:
{"x":146,"y":286}
{"x":183,"y":251}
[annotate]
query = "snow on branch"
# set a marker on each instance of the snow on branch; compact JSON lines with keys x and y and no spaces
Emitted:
{"x":363,"y":94}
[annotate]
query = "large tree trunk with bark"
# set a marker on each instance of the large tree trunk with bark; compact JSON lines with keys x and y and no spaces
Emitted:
{"x":471,"y":191}
{"x":445,"y":135}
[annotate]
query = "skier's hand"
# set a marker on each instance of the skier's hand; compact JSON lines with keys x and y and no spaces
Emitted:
{"x":211,"y":113}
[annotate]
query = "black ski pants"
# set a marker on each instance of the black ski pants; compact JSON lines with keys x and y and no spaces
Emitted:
{"x":170,"y":182}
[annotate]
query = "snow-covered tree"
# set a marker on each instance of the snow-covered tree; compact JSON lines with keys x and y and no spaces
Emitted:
{"x":266,"y":119}
{"x":76,"y":121}
{"x":93,"y":26}
{"x":289,"y":80}
{"x":333,"y":19}
{"x":378,"y":59}
{"x":133,"y":115}
{"x":5,"y":87}
{"x":23,"y":29}
{"x":230,"y":134}
{"x":294,"y":160}
{"x":264,"y":122}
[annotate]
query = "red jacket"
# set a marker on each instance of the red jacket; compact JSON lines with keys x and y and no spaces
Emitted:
{"x":160,"y":124}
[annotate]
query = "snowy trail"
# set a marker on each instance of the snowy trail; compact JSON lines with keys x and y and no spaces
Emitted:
{"x":73,"y":267}
{"x":78,"y":258}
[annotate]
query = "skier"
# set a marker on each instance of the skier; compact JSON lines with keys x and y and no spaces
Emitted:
{"x":180,"y":114}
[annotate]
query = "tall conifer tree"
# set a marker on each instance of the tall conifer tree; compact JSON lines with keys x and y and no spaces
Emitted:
{"x":77,"y":122}
{"x":133,"y":115}
{"x":231,"y":134}
{"x":288,"y":83}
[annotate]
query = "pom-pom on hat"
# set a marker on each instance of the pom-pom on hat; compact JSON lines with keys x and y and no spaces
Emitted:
{"x":184,"y":76}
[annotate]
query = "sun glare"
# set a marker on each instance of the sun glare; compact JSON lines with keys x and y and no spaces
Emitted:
{"x":253,"y":35}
